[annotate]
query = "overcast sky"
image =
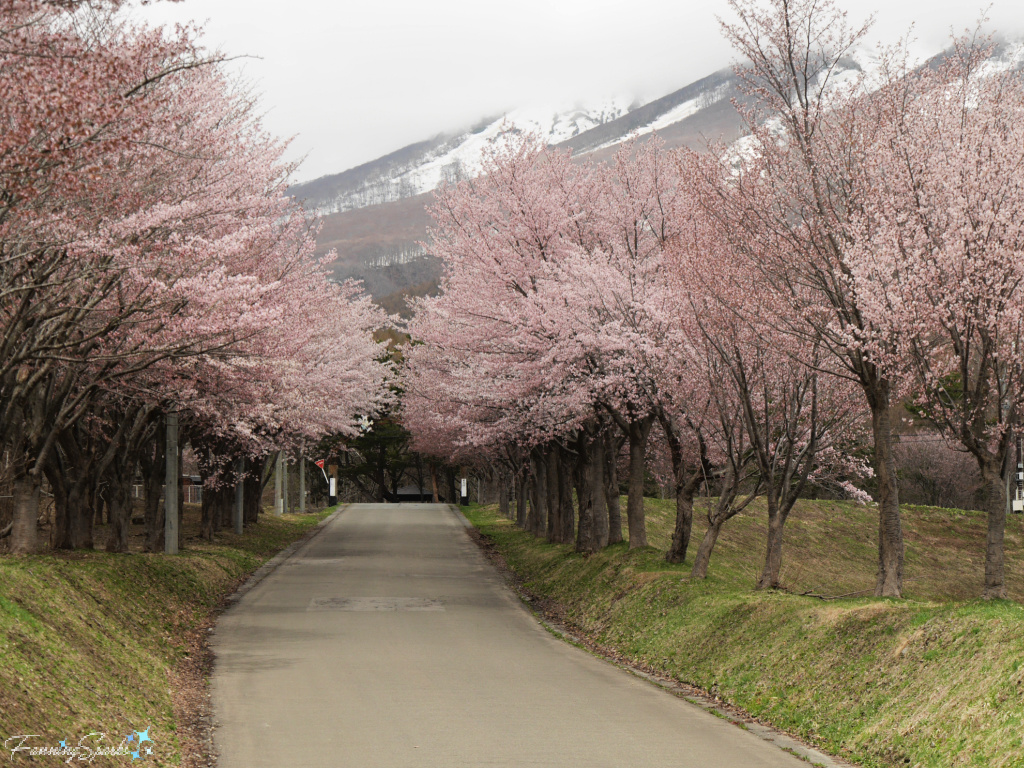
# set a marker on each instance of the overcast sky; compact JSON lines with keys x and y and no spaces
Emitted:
{"x":352,"y":81}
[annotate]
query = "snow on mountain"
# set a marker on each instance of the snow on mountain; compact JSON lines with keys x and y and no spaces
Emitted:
{"x":693,"y":111}
{"x":461,"y":158}
{"x":452,"y":158}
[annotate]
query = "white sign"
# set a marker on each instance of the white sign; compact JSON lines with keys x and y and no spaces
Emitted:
{"x":464,"y":491}
{"x":332,"y":487}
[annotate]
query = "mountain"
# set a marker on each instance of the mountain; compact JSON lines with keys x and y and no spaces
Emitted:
{"x":424,"y":166}
{"x":375,"y":215}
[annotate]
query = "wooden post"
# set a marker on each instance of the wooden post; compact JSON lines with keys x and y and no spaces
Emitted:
{"x":171,"y":487}
{"x":302,"y":482}
{"x":240,"y":497}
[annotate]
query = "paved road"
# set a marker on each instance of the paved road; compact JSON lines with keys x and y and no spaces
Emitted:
{"x":389,"y":641}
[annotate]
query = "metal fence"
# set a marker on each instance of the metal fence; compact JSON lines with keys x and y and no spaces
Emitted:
{"x":191,"y":494}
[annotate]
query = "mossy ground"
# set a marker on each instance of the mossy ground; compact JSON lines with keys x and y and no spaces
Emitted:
{"x":936,"y":679}
{"x":88,"y":639}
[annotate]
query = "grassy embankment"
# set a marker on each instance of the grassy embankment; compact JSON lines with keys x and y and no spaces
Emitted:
{"x":89,"y":641}
{"x":936,"y":679}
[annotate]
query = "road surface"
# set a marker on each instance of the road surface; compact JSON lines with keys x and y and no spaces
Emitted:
{"x":389,"y":641}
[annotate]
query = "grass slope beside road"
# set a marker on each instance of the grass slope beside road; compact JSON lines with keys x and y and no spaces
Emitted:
{"x":92,"y":642}
{"x":933,"y":680}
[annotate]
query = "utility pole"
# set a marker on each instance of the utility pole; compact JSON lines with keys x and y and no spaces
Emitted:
{"x":1017,"y":500}
{"x":171,"y":487}
{"x":287,"y":506}
{"x":278,"y":485}
{"x":302,"y":482}
{"x":239,"y":496}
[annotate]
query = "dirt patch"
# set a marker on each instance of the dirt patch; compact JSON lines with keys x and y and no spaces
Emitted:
{"x":190,"y":695}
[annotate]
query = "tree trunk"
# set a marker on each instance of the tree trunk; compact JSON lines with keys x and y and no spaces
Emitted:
{"x":585,"y":541}
{"x":154,"y":468}
{"x":253,"y":492}
{"x":707,"y":544}
{"x":81,"y":499}
{"x":684,"y":523}
{"x":890,"y":530}
{"x":995,"y":506}
{"x":73,"y":512}
{"x":181,"y":493}
{"x":521,"y":515}
{"x":538,"y":494}
{"x":554,"y":523}
{"x":638,"y":433}
{"x":433,"y":483}
{"x":599,"y":490}
{"x":611,"y":488}
{"x":567,"y":515}
{"x":119,"y":501}
{"x":207,"y":514}
{"x":24,"y":533}
{"x":503,"y":500}
{"x":453,"y":496}
{"x":60,"y":536}
{"x":770,"y":575}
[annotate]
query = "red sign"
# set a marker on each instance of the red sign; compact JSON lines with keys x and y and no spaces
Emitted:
{"x":320,"y":463}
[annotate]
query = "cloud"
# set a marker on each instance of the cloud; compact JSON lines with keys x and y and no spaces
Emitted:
{"x":354,"y":81}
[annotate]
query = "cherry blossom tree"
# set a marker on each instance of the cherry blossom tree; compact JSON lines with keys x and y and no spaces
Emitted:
{"x":938,"y":257}
{"x":790,"y":198}
{"x":153,"y":262}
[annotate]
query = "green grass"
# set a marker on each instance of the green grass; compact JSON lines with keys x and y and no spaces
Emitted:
{"x":933,"y":680}
{"x":88,"y":639}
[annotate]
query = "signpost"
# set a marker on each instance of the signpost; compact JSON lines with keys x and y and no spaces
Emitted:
{"x":464,"y":499}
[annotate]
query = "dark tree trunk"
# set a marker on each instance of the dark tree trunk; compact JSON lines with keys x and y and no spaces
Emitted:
{"x":995,"y":506}
{"x":554,"y":507}
{"x":60,"y":536}
{"x":503,"y":498}
{"x":684,"y":522}
{"x":771,"y":575}
{"x":890,"y":529}
{"x":99,"y":505}
{"x":449,"y":476}
{"x":24,"y":533}
{"x":521,"y":514}
{"x":81,"y":498}
{"x":119,"y":500}
{"x":216,"y":506}
{"x":206,"y":515}
{"x":538,"y":494}
{"x":252,"y":492}
{"x":585,"y":475}
{"x":567,"y":514}
{"x":707,"y":544}
{"x":70,"y":477}
{"x":585,"y":542}
{"x":639,"y":430}
{"x":611,"y":487}
{"x":599,"y":490}
{"x":153,"y":462}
